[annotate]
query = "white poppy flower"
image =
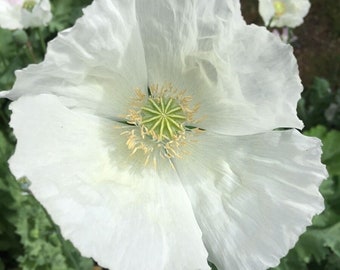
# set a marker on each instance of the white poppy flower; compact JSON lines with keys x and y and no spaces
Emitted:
{"x":148,"y":135}
{"x":280,"y":13}
{"x":18,"y":14}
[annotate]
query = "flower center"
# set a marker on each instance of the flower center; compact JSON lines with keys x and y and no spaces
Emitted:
{"x":160,"y":123}
{"x":29,"y":5}
{"x":279,"y":8}
{"x":164,"y":117}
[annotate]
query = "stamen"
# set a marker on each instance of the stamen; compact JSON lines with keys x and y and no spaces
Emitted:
{"x":162,"y":120}
{"x":279,"y":8}
{"x":29,"y":5}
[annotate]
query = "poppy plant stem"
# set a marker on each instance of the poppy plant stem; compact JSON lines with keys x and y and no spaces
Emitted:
{"x":42,"y":40}
{"x":29,"y":52}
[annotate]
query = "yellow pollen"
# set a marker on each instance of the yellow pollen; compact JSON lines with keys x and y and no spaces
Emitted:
{"x":29,"y":5}
{"x":279,"y":8}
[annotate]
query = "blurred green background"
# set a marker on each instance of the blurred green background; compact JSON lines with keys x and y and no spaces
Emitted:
{"x":28,"y":238}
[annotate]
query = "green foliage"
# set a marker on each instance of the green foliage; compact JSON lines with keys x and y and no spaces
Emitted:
{"x":65,"y":13}
{"x":10,"y":247}
{"x":213,"y":267}
{"x":10,"y":58}
{"x":320,"y":105}
{"x":43,"y":246}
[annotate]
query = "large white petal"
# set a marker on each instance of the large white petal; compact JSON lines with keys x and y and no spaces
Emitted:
{"x":253,"y":195}
{"x":247,"y":83}
{"x":267,"y":86}
{"x":94,"y":66}
{"x":172,"y":29}
{"x":244,"y":79}
{"x":123,"y":220}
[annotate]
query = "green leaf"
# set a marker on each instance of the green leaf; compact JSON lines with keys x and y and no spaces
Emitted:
{"x":333,"y":263}
{"x":213,"y":267}
{"x":311,"y":246}
{"x":44,"y":247}
{"x":315,"y":241}
{"x":10,"y":247}
{"x":315,"y":100}
{"x":292,"y":262}
{"x":65,"y":13}
{"x":331,"y":156}
{"x":331,"y":147}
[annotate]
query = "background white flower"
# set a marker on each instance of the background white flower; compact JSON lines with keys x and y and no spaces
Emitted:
{"x":241,"y":193}
{"x":18,"y":14}
{"x":280,"y":13}
{"x":285,"y":35}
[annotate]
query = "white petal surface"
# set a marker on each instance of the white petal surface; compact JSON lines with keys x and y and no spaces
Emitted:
{"x":180,"y":38}
{"x":173,"y":29}
{"x":253,"y":195}
{"x":124,"y":221}
{"x":256,"y":86}
{"x":244,"y":79}
{"x":267,"y":86}
{"x":266,"y":9}
{"x":294,"y":12}
{"x":10,"y":16}
{"x":94,"y":66}
{"x":40,"y":15}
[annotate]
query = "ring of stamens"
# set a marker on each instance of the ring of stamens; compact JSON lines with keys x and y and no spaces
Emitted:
{"x":163,"y":117}
{"x":29,"y":5}
{"x":279,"y":8}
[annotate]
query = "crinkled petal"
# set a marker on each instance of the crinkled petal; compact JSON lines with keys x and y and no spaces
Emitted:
{"x":172,"y":29}
{"x":253,"y":195}
{"x":265,"y":85}
{"x":179,"y":39}
{"x":124,"y":221}
{"x":94,"y":66}
{"x":244,"y":79}
{"x":256,"y":86}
